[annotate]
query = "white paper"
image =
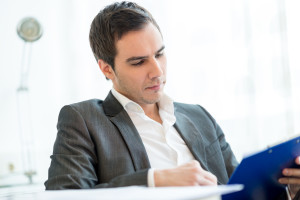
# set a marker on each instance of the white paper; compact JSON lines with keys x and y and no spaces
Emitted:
{"x":122,"y":193}
{"x":138,"y":193}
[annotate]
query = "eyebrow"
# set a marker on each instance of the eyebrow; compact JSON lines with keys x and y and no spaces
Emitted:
{"x":143,"y":57}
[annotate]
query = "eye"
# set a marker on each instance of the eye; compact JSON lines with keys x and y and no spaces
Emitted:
{"x":159,"y":55}
{"x":138,"y":63}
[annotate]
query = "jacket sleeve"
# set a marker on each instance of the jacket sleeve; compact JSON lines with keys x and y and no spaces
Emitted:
{"x":228,"y":156}
{"x":74,"y":160}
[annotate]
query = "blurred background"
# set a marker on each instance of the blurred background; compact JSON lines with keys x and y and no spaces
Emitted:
{"x":240,"y":59}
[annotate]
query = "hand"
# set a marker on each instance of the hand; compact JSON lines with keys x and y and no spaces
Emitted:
{"x":189,"y":174}
{"x":292,"y":178}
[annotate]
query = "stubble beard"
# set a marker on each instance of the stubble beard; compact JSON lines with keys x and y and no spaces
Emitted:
{"x":150,"y":101}
{"x":140,"y":98}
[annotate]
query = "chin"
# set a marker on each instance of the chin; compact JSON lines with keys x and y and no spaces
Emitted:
{"x":151,"y":100}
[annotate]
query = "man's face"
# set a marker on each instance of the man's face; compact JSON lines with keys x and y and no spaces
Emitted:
{"x":140,"y":65}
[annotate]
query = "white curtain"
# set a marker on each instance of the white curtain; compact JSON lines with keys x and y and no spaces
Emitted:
{"x":237,"y":58}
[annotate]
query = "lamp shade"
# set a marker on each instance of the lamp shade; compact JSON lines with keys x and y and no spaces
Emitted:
{"x":29,"y":29}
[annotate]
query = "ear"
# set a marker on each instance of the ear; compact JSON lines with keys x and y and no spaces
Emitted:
{"x":106,"y":69}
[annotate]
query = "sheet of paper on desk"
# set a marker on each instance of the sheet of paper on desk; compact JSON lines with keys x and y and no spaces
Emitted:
{"x":138,"y":193}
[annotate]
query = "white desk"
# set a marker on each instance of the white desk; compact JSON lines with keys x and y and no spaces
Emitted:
{"x":36,"y":192}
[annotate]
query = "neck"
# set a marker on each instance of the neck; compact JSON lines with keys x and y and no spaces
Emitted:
{"x":152,"y":111}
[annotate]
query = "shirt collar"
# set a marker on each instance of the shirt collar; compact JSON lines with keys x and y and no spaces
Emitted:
{"x":166,"y":103}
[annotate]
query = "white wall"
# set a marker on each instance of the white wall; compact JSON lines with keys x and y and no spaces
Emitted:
{"x":239,"y":59}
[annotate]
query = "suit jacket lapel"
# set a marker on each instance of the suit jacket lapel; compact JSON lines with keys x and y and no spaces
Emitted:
{"x":192,"y":138}
{"x":115,"y":111}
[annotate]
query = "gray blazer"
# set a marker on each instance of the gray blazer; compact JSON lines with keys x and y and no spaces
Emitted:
{"x":98,"y":146}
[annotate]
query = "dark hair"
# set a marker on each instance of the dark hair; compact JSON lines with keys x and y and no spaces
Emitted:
{"x":112,"y":23}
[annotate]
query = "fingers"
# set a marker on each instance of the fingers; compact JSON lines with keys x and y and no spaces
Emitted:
{"x":289,"y":180}
{"x":205,"y":182}
{"x":291,"y":172}
{"x":292,"y":178}
{"x":193,"y":163}
{"x":297,"y":160}
{"x":203,"y":177}
{"x":210,"y":177}
{"x":292,"y":175}
{"x":189,"y":174}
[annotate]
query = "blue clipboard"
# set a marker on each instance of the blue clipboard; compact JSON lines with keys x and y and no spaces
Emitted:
{"x":259,"y":173}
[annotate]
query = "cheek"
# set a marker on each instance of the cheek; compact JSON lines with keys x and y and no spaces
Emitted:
{"x":164,"y":64}
{"x":136,"y":77}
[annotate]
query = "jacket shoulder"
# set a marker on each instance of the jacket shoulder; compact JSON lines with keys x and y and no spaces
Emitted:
{"x":88,"y":103}
{"x":84,"y":108}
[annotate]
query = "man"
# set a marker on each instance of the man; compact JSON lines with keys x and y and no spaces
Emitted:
{"x":137,"y":135}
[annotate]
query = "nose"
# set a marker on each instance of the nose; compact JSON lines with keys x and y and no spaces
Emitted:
{"x":156,"y":69}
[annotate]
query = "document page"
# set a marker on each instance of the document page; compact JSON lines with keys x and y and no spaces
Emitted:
{"x":138,"y":193}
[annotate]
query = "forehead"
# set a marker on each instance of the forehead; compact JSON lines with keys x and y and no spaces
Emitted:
{"x":142,"y":42}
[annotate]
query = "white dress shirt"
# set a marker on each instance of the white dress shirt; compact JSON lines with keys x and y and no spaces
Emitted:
{"x":164,"y":146}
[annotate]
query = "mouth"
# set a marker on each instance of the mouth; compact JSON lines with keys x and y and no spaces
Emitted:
{"x":155,"y":87}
